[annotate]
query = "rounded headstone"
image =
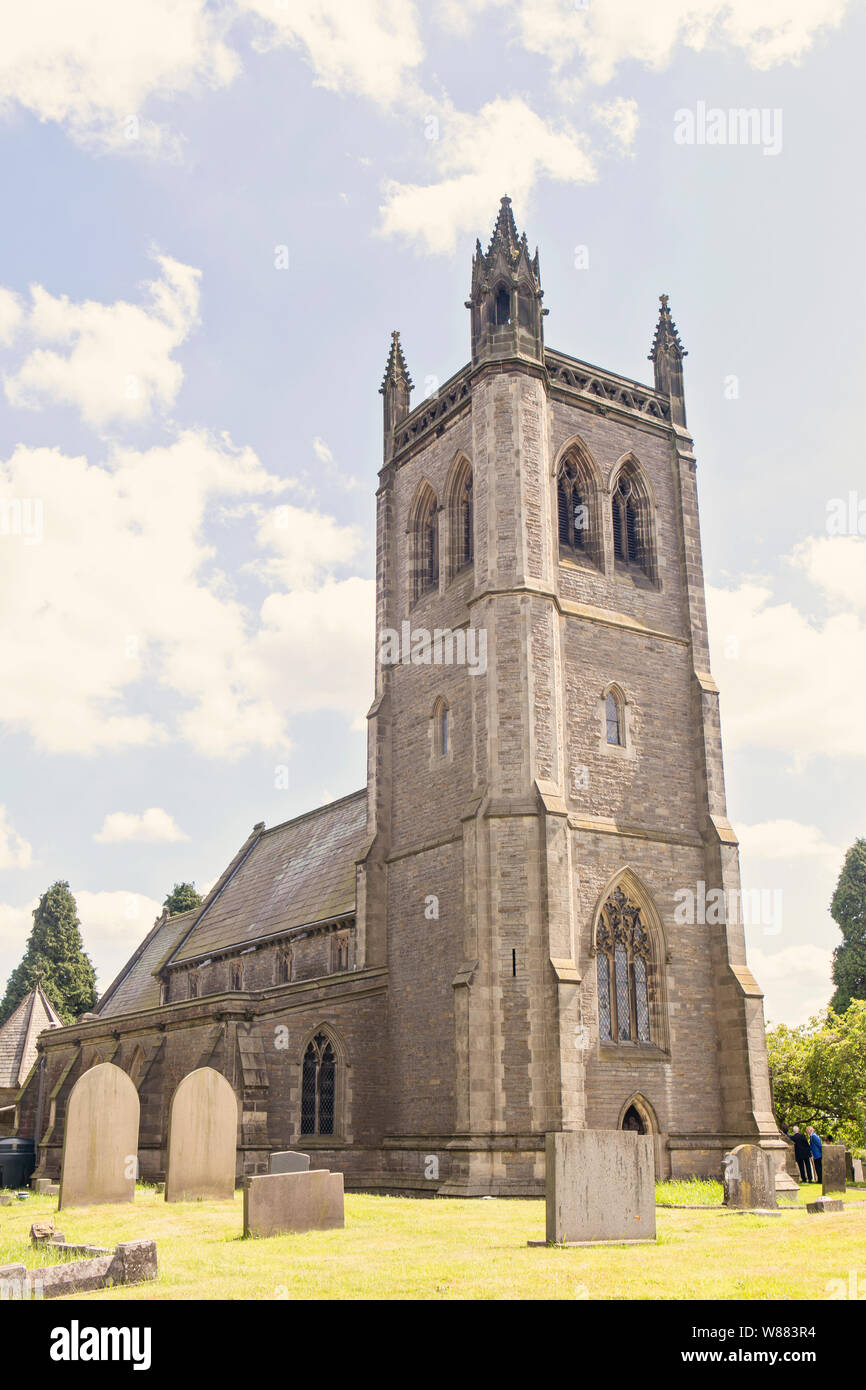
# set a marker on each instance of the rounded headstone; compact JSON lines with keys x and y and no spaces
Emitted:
{"x":202,"y":1138}
{"x":100,"y":1139}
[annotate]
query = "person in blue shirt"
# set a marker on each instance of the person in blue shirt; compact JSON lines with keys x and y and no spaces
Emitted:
{"x":815,"y":1147}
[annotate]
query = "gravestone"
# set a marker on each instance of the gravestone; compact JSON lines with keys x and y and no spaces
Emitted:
{"x":825,"y":1204}
{"x":289,"y":1162}
{"x":750,"y":1179}
{"x":833,"y":1173}
{"x":275,"y":1203}
{"x":202,"y":1138}
{"x":858,"y":1169}
{"x":100,"y":1139}
{"x":599,"y":1186}
{"x":849,"y":1166}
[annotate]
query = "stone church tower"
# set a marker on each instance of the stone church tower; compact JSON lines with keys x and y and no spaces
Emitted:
{"x":556,"y":809}
{"x":515,"y":927}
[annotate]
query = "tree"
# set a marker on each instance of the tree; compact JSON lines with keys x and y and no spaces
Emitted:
{"x":55,"y":957}
{"x":819,"y":1074}
{"x":181,"y":898}
{"x":848,"y":909}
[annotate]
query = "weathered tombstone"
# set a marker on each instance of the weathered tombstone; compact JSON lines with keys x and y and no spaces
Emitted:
{"x":858,"y":1169}
{"x":823,"y":1205}
{"x":202,"y":1138}
{"x":750,"y":1179}
{"x":849,"y":1166}
{"x":289,"y":1162}
{"x":100,"y":1139}
{"x":833,"y":1171}
{"x":599,"y":1186}
{"x":278,"y":1202}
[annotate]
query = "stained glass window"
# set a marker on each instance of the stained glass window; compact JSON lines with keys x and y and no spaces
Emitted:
{"x":613,"y":719}
{"x":318,"y":1087}
{"x":604,"y":998}
{"x":623,"y":970}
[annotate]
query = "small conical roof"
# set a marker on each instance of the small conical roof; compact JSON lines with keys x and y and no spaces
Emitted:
{"x":18,"y":1036}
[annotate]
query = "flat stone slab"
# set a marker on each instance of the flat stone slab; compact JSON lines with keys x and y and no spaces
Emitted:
{"x":584,"y":1244}
{"x":599,"y":1187}
{"x":133,"y":1262}
{"x":277,"y":1203}
{"x":825,"y":1204}
{"x":44,"y":1187}
{"x":833,"y":1170}
{"x":289,"y":1162}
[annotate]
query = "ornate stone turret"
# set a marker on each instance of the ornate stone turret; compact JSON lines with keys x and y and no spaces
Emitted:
{"x":506,"y":295}
{"x":667,"y":358}
{"x":395,"y":389}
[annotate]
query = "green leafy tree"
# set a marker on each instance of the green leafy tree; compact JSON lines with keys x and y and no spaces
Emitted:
{"x":848,"y":909}
{"x":181,"y":898}
{"x":819,"y":1074}
{"x":55,"y":957}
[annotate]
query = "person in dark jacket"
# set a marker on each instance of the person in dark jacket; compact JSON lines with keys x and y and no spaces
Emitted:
{"x":815,"y":1147}
{"x":802,"y":1153}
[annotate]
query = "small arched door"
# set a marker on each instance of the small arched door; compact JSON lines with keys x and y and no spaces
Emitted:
{"x":633,"y":1122}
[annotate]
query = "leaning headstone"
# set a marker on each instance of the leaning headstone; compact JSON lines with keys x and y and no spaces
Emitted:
{"x":833,"y":1171}
{"x":100,"y":1139}
{"x":849,"y":1166}
{"x":275,"y":1203}
{"x":750,"y":1179}
{"x":825,"y":1204}
{"x":857,"y":1165}
{"x":289,"y":1162}
{"x":599,"y":1186}
{"x":202,"y":1138}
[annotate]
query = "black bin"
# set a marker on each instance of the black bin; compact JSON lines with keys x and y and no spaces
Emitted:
{"x":17,"y":1161}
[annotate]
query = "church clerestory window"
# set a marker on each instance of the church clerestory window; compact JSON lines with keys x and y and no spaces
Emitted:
{"x":623,"y":963}
{"x":319,"y":1086}
{"x":613,"y":719}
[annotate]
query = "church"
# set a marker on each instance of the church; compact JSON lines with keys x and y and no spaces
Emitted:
{"x":420,"y":980}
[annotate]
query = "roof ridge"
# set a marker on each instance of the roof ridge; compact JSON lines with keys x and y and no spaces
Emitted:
{"x":306,"y":815}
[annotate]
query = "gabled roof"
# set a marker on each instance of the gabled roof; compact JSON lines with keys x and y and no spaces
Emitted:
{"x":292,"y":875}
{"x":136,"y":987}
{"x":18,"y":1036}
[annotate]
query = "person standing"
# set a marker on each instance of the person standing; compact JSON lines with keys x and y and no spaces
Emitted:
{"x":802,"y":1154}
{"x":815,"y":1148}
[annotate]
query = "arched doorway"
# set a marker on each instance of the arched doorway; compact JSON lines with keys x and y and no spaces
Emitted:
{"x":634,"y":1122}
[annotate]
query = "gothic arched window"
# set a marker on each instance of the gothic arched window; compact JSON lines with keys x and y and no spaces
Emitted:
{"x":632,"y":526}
{"x":236,"y":975}
{"x":623,"y":960}
{"x":613,"y":719}
{"x":319,"y":1086}
{"x":441,"y":728}
{"x":577,"y":510}
{"x":425,"y":539}
{"x":460,"y":515}
{"x":502,"y":305}
{"x":284,"y":965}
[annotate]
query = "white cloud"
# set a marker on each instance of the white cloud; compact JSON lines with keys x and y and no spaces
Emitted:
{"x":788,"y":839}
{"x":15,"y":852}
{"x":789,"y":682}
{"x":796,"y":981}
{"x":125,"y":592}
{"x":365,"y":46}
{"x":622,"y":119}
{"x":837,"y":566}
{"x":94,"y":65}
{"x":603,"y":36}
{"x":113,"y":362}
{"x":11,"y":315}
{"x":321,"y":450}
{"x":150,"y":827}
{"x":506,"y":147}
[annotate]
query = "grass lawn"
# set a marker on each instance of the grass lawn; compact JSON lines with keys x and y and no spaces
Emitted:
{"x":399,"y":1247}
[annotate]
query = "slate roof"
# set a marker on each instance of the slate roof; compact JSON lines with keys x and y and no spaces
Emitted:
{"x":136,"y":987}
{"x":294,"y":874}
{"x":18,"y":1036}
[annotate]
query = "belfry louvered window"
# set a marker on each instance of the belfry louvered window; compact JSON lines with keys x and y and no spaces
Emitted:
{"x":623,"y":968}
{"x":577,"y":510}
{"x":318,"y":1086}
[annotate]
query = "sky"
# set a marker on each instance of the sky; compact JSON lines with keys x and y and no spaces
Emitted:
{"x":215,"y":214}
